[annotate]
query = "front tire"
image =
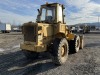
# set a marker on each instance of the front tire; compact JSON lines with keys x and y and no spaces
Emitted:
{"x":60,"y":51}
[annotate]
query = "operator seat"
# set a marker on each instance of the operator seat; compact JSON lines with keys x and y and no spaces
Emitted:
{"x":49,"y":19}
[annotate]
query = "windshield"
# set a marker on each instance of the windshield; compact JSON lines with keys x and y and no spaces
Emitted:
{"x":47,"y":14}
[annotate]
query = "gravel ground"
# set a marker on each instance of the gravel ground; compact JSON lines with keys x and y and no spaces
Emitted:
{"x":10,"y":41}
{"x":13,"y":61}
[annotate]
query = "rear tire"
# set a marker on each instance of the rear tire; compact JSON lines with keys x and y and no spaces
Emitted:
{"x":74,"y":45}
{"x":81,"y":42}
{"x":30,"y":54}
{"x":60,"y":51}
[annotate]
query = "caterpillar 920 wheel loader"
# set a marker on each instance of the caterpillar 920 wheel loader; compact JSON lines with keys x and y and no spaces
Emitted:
{"x":50,"y":34}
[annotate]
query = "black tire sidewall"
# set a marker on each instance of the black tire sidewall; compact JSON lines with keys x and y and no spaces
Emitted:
{"x":58,"y":59}
{"x":77,"y":38}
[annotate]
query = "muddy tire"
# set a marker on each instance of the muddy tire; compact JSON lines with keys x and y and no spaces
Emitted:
{"x":81,"y":42}
{"x":74,"y":45}
{"x":60,"y":51}
{"x":30,"y":55}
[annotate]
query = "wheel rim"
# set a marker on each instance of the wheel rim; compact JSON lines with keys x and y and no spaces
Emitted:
{"x":63,"y":51}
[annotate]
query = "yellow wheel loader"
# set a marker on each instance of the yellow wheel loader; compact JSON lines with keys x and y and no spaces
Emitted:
{"x":50,"y":34}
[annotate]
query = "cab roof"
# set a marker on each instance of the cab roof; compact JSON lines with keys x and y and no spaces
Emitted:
{"x":50,"y":4}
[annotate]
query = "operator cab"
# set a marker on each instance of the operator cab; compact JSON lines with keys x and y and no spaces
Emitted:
{"x":51,"y":13}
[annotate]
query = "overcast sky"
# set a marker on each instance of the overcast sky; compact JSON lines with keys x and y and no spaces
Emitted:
{"x":21,"y":11}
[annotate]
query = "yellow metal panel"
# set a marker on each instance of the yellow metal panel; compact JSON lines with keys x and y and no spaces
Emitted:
{"x":62,"y":28}
{"x":70,"y":36}
{"x":34,"y":48}
{"x":48,"y":30}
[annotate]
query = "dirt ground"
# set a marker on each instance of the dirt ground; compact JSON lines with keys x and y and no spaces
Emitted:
{"x":13,"y":61}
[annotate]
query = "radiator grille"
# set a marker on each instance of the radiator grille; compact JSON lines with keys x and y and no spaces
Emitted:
{"x":30,"y":32}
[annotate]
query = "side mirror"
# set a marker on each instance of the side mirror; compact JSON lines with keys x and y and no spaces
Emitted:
{"x":63,"y":7}
{"x":39,"y":11}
